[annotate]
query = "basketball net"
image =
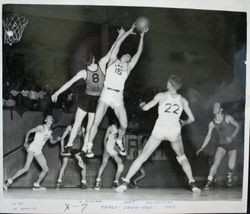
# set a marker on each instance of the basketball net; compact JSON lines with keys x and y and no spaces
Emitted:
{"x":13,"y":28}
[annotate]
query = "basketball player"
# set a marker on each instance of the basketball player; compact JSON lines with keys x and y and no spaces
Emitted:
{"x":43,"y":133}
{"x":110,"y":151}
{"x":94,"y":78}
{"x":75,"y":153}
{"x":117,"y":73}
{"x":227,"y":128}
{"x":167,"y":127}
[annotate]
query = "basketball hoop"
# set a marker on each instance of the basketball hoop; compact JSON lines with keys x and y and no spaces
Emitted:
{"x":13,"y":28}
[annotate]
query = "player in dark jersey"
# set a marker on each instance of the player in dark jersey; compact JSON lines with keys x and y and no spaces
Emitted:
{"x":227,"y":128}
{"x":87,"y":102}
{"x":75,"y":153}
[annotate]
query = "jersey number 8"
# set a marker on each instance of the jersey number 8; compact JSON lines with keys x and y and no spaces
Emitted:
{"x":95,"y":78}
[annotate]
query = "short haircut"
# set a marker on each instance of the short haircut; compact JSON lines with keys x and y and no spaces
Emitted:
{"x":49,"y":115}
{"x":88,"y":59}
{"x":175,"y":81}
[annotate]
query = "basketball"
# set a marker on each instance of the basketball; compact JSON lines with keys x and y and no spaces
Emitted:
{"x":141,"y":23}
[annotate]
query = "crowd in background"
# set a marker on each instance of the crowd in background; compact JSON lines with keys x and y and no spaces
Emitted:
{"x":25,"y":94}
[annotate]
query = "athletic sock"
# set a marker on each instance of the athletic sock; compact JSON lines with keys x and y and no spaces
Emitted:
{"x":230,"y":172}
{"x":125,"y":180}
{"x":10,"y":181}
{"x":84,"y":181}
{"x":210,"y":178}
{"x":191,"y":180}
{"x":59,"y":180}
{"x":36,"y":185}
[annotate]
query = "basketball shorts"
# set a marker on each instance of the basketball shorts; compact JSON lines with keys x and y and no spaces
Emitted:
{"x":87,"y":102}
{"x":230,"y":146}
{"x":171,"y":134}
{"x":36,"y":148}
{"x":112,"y":97}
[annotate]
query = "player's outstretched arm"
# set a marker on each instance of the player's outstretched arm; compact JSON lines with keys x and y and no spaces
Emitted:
{"x":137,"y":55}
{"x":104,"y":60}
{"x":188,"y":111}
{"x":231,"y":120}
{"x":79,"y":75}
{"x":146,"y":106}
{"x":117,"y":45}
{"x":207,"y":138}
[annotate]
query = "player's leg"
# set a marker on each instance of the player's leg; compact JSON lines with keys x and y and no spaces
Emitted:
{"x":91,"y":117}
{"x":43,"y":164}
{"x":29,"y":159}
{"x":100,"y":112}
{"x":105,"y":159}
{"x":140,"y":177}
{"x":119,"y":170}
{"x":82,"y":165}
{"x":121,"y":114}
{"x":219,"y":154}
{"x":62,"y":170}
{"x":80,"y":114}
{"x":148,"y":149}
{"x":177,"y":146}
{"x":232,"y":156}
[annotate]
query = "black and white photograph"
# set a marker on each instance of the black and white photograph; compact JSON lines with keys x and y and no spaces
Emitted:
{"x":126,"y":108}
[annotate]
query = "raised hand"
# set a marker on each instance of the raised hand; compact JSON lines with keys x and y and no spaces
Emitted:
{"x":131,"y":30}
{"x":198,"y":152}
{"x":120,"y":31}
{"x":142,"y":104}
{"x":144,"y":30}
{"x":54,"y":97}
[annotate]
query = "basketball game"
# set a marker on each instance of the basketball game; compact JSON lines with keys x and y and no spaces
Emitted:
{"x":124,"y":109}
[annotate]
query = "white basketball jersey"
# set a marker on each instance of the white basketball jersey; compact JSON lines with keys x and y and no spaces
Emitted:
{"x":41,"y":137}
{"x":169,"y":111}
{"x":116,"y":76}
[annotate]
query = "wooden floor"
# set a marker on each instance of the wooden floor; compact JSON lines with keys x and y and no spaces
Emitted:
{"x":163,"y":194}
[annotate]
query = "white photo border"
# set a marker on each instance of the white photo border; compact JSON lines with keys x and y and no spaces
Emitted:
{"x":58,"y":206}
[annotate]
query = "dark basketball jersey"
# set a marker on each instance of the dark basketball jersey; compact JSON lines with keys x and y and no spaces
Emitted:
{"x":223,"y":130}
{"x":94,"y":82}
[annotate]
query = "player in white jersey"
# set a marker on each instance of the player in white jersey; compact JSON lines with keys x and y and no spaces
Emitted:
{"x":43,"y":133}
{"x":117,"y":73}
{"x":94,"y":78}
{"x":167,"y":127}
{"x":110,"y":151}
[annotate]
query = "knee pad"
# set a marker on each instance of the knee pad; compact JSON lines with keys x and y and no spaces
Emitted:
{"x":181,"y":158}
